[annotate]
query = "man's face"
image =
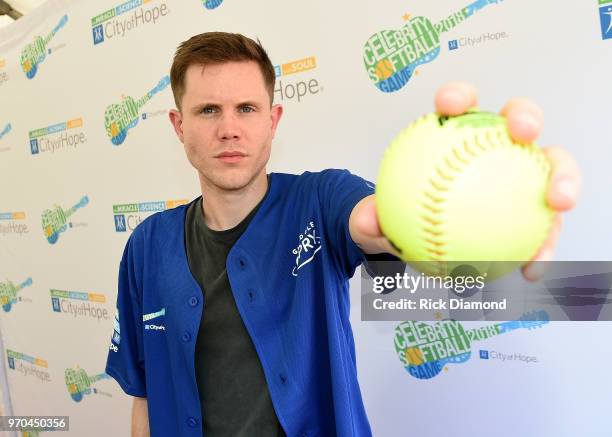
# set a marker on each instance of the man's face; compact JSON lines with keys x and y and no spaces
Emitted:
{"x":226,"y":123}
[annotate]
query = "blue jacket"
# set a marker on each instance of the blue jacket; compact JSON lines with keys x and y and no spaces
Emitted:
{"x":289,"y":275}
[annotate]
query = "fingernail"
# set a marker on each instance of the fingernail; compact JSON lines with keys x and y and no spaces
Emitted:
{"x":526,"y":121}
{"x":566,"y":188}
{"x":456,"y":96}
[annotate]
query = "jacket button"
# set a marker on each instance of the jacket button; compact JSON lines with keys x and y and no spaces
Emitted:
{"x":193,"y":301}
{"x":242,"y":263}
{"x":186,"y":336}
{"x":193,"y":422}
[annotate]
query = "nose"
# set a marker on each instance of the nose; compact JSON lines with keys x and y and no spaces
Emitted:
{"x":229,"y":129}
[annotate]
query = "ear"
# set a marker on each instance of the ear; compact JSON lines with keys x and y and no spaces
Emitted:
{"x":276,"y":112}
{"x":176,"y":119}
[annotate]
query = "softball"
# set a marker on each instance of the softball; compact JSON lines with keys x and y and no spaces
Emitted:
{"x":384,"y":69}
{"x":457,"y":190}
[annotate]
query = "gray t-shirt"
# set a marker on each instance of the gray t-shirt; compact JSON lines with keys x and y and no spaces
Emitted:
{"x":233,"y":391}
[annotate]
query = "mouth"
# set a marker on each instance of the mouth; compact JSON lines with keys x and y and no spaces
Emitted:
{"x":231,"y":157}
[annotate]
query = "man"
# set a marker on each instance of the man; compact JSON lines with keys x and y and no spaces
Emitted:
{"x":232,"y":311}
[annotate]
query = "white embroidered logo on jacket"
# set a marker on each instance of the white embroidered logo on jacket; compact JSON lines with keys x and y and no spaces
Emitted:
{"x":310,"y":244}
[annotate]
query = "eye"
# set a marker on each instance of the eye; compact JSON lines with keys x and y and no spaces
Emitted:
{"x":247,"y":108}
{"x":208,"y":110}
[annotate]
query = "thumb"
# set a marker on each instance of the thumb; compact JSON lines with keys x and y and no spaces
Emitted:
{"x":366,"y":219}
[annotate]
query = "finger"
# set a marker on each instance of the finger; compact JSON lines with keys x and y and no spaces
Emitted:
{"x":455,"y":98}
{"x":566,"y":179}
{"x":534,"y":270}
{"x":525,"y":119}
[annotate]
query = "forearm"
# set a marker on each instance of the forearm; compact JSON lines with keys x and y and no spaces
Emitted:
{"x":140,"y":418}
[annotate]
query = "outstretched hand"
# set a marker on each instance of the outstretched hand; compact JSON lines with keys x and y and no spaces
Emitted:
{"x":525,"y":122}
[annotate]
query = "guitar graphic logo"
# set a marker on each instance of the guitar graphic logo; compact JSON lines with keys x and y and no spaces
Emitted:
{"x":391,"y":56}
{"x":211,"y":4}
{"x":79,"y":383}
{"x":35,"y":53}
{"x":119,"y":118}
{"x":8,"y":293}
{"x":425,"y":349}
{"x":6,"y":130}
{"x":55,"y":221}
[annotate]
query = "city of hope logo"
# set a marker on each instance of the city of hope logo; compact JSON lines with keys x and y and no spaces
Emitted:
{"x":3,"y":74}
{"x":79,"y":304}
{"x":13,"y":223}
{"x":59,"y":136}
{"x":117,"y":22}
{"x":8,"y":293}
{"x":299,"y":88}
{"x":28,"y":365}
{"x":79,"y":383}
{"x":391,"y":56}
{"x":152,"y":316}
{"x":129,"y":215}
{"x":605,"y":18}
{"x":35,"y":53}
{"x":425,"y":349}
{"x":55,"y":221}
{"x":121,"y":117}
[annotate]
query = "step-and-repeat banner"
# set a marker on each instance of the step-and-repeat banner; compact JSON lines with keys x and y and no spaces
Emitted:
{"x":87,"y":152}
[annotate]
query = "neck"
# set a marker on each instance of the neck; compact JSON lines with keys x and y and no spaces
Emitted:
{"x":225,"y":209}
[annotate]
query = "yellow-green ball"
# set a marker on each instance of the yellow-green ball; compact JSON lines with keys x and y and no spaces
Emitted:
{"x":458,"y":189}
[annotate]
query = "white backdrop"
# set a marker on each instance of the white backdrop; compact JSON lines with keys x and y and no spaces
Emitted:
{"x":55,"y":150}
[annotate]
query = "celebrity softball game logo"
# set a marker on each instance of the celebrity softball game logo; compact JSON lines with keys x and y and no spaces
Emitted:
{"x":126,"y":17}
{"x":13,"y":223}
{"x":66,"y":135}
{"x":296,"y":87}
{"x":605,"y":17}
{"x":425,"y":349}
{"x":7,"y":128}
{"x":28,"y":365}
{"x":392,"y":56}
{"x":35,"y":53}
{"x":79,"y":383}
{"x":119,"y":118}
{"x":5,"y":131}
{"x":129,"y":215}
{"x":8,"y":293}
{"x":211,"y":4}
{"x":79,"y":305}
{"x":55,"y":220}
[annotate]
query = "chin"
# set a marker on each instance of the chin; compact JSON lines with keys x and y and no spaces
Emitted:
{"x":232,"y":182}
